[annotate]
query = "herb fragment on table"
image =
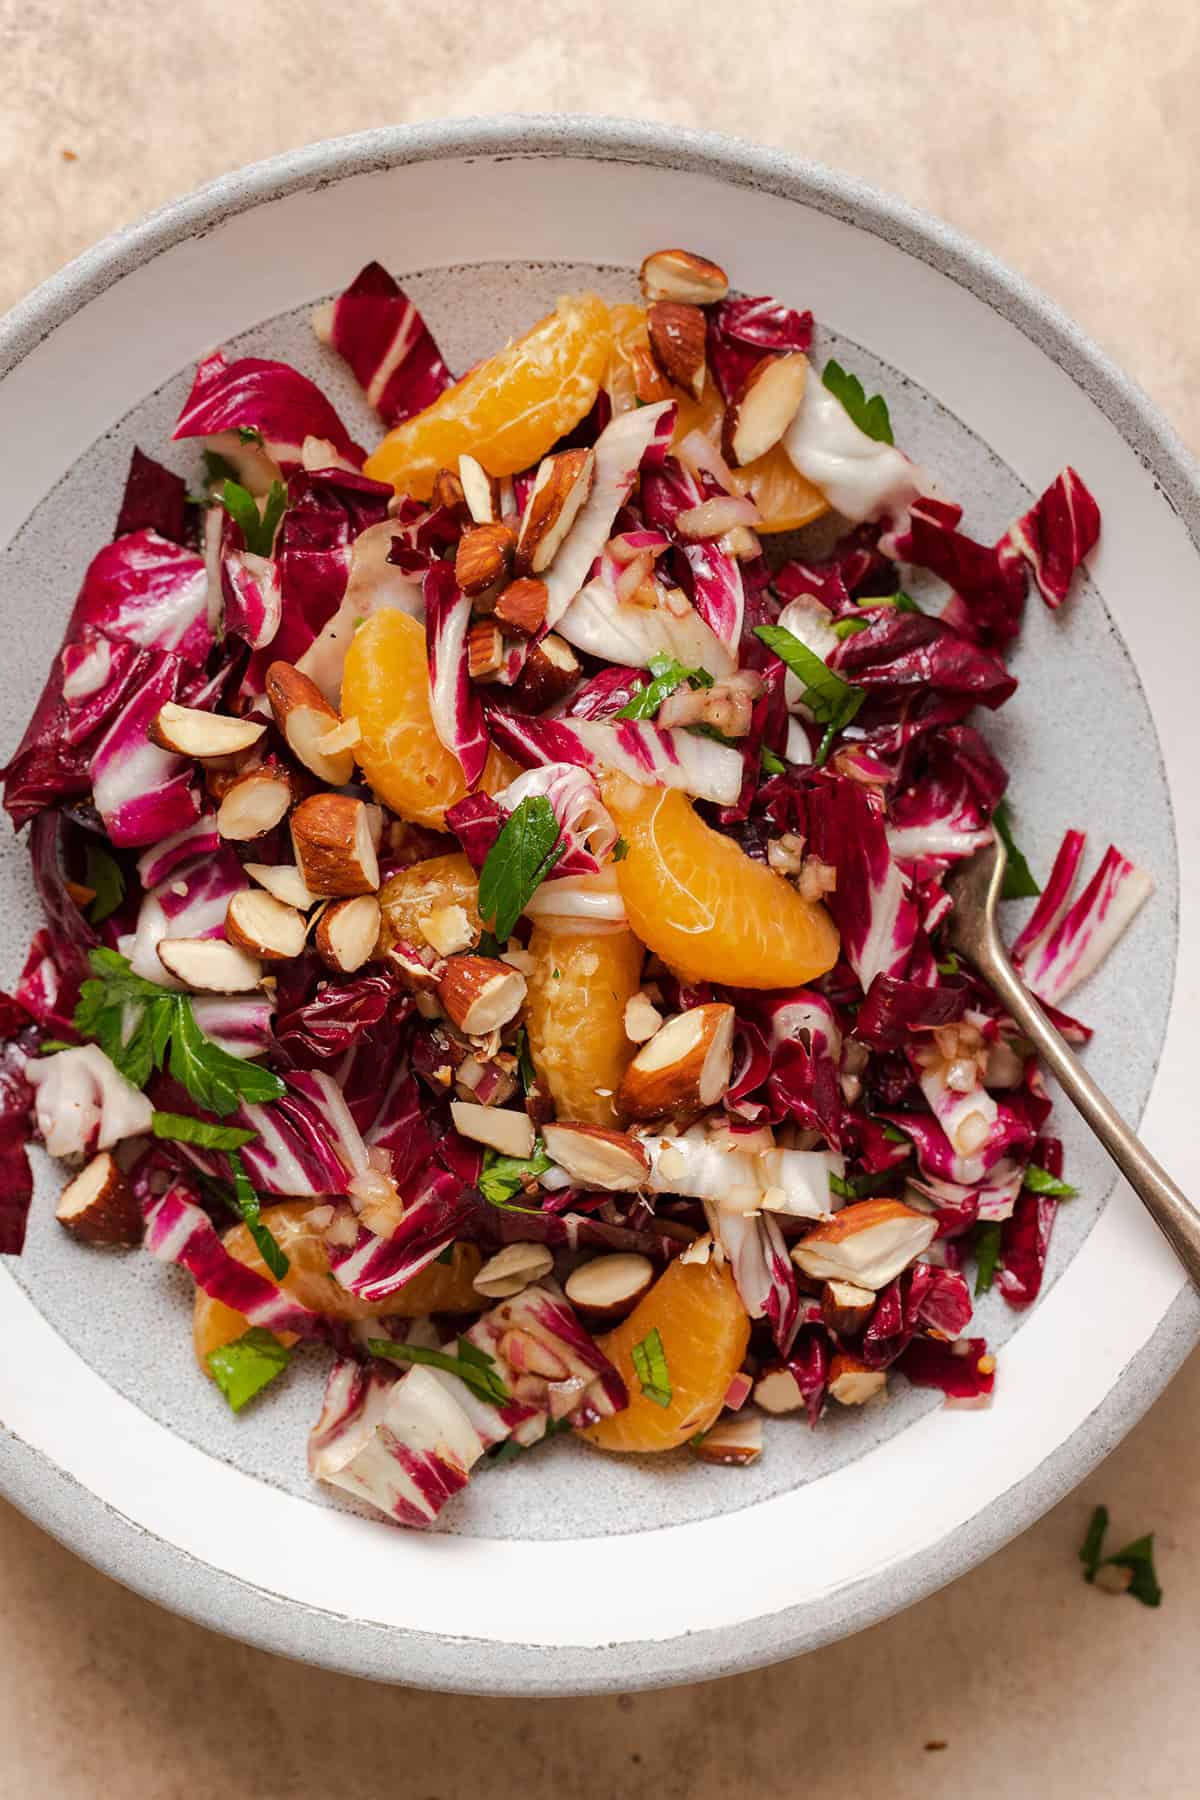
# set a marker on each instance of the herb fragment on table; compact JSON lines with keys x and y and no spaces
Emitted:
{"x":1137,"y":1559}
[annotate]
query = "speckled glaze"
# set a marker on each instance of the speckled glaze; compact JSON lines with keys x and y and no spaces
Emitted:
{"x":1083,"y":712}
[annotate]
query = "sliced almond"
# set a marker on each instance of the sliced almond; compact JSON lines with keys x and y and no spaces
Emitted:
{"x":448,"y":929}
{"x":481,"y":491}
{"x":682,"y":275}
{"x":551,"y":671}
{"x":284,"y":881}
{"x":210,"y":965}
{"x":846,"y":1307}
{"x":187,"y":731}
{"x":267,"y":927}
{"x":760,"y":414}
{"x":347,"y":933}
{"x":511,"y":1133}
{"x":595,"y":1157}
{"x":607,"y":1288}
{"x":642,"y":1018}
{"x":678,"y":333}
{"x":480,"y":993}
{"x":448,"y":492}
{"x":418,"y":974}
{"x":649,"y":382}
{"x":343,"y":736}
{"x":562,"y":484}
{"x":778,"y":1391}
{"x":685,"y":1065}
{"x":332,"y":837}
{"x":512,"y":1270}
{"x":484,"y":558}
{"x":304,"y":716}
{"x":99,"y":1205}
{"x":253,"y":804}
{"x":733,"y":1441}
{"x":485,"y":649}
{"x":522,"y":606}
{"x":867,"y":1243}
{"x":851,"y":1383}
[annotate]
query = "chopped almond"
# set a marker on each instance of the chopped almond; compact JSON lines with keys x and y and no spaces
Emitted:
{"x":267,"y":927}
{"x":512,"y":1270}
{"x":332,"y":837}
{"x":254,"y":804}
{"x":188,"y":731}
{"x":483,"y":558}
{"x":305,"y":717}
{"x":732,"y":1441}
{"x":851,"y":1383}
{"x":485,"y":649}
{"x":678,"y":333}
{"x":682,"y":275}
{"x":686,"y":1065}
{"x":607,"y":1288}
{"x":448,"y":929}
{"x":560,"y":488}
{"x":551,"y":671}
{"x":522,"y":606}
{"x":845,"y":1307}
{"x":210,"y":965}
{"x":867,"y":1243}
{"x":448,"y":493}
{"x":480,"y":993}
{"x":511,"y":1133}
{"x":480,"y":490}
{"x":347,"y":933}
{"x":595,"y":1157}
{"x":778,"y":1391}
{"x":99,"y":1206}
{"x":284,"y":881}
{"x":768,"y":402}
{"x":642,"y":1018}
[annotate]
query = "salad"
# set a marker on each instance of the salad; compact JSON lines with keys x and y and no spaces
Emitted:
{"x":494,"y":892}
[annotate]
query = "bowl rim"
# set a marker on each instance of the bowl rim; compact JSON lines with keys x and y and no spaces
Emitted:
{"x":172,"y":1577}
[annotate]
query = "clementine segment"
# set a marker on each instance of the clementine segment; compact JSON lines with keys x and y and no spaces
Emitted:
{"x":386,"y":686}
{"x":698,"y":901}
{"x":575,"y":1016}
{"x":704,"y":1332}
{"x":510,"y":409}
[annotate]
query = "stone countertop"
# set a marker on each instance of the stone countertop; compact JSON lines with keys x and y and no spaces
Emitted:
{"x":1067,"y":140}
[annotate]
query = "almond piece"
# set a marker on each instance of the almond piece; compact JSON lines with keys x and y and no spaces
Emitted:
{"x":210,"y":965}
{"x":345,"y":735}
{"x":595,"y":1157}
{"x":267,"y":927}
{"x":347,"y":933}
{"x":480,"y":993}
{"x":678,"y":333}
{"x":512,"y":1270}
{"x":733,"y":1442}
{"x":419,"y":976}
{"x":253,"y":804}
{"x":481,"y":491}
{"x":562,"y":484}
{"x":483,"y":558}
{"x":551,"y":671}
{"x":485,"y":649}
{"x":778,"y":1391}
{"x":522,"y":606}
{"x":304,"y":716}
{"x":649,"y":382}
{"x":642,"y":1018}
{"x":449,"y":930}
{"x":284,"y":881}
{"x":187,"y":731}
{"x":867,"y":1243}
{"x":766,"y":405}
{"x":851,"y":1383}
{"x":608,"y":1287}
{"x":448,"y":492}
{"x":99,"y":1205}
{"x":845,"y":1307}
{"x":331,"y":834}
{"x":685,"y":1065}
{"x":511,"y":1133}
{"x":682,"y":275}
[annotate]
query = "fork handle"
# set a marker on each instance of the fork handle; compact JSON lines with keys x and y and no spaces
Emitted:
{"x":1168,"y":1206}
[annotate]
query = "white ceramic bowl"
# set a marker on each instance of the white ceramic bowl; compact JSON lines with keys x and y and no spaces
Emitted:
{"x":569,"y":1572}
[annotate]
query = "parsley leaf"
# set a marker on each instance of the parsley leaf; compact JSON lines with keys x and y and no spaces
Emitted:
{"x":1093,"y":1543}
{"x":245,"y":1367}
{"x":650,"y":1363}
{"x":871,"y":416}
{"x":1041,"y":1181}
{"x":136,"y":1023}
{"x":860,"y":1187}
{"x":106,"y":876}
{"x":504,"y":1177}
{"x":1137,"y":1557}
{"x":1019,"y":883}
{"x":620,"y":850}
{"x":987,"y":1252}
{"x":831,"y":701}
{"x":258,"y":530}
{"x":474,"y":1367}
{"x":185,"y":1130}
{"x":770,"y":764}
{"x":518,"y":862}
{"x":245,"y":1200}
{"x":667,"y":676}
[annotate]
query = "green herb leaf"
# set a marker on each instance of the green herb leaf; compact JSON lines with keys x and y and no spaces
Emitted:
{"x":136,"y":1023}
{"x":704,"y":729}
{"x":250,"y":1363}
{"x":861,"y":1187}
{"x":987,"y":1252}
{"x":650,"y":1364}
{"x":850,"y":627}
{"x":489,"y":944}
{"x":1019,"y":883}
{"x":1041,"y":1181}
{"x":871,"y":416}
{"x":899,"y":602}
{"x":518,"y":862}
{"x":106,"y":876}
{"x":770,"y":764}
{"x":620,"y":850}
{"x":217,"y":468}
{"x":1137,"y":1557}
{"x":525,"y":1060}
{"x":667,"y":676}
{"x":245,"y":1200}
{"x":474,"y":1367}
{"x":894,"y":1135}
{"x":510,"y":1449}
{"x":249,"y":434}
{"x":183,"y":1129}
{"x":504,"y":1177}
{"x":258,"y":529}
{"x":832,"y":701}
{"x":1093,"y":1543}
{"x":52,"y":1046}
{"x":949,"y":965}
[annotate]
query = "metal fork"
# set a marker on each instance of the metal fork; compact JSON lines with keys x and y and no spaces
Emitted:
{"x":975,"y":888}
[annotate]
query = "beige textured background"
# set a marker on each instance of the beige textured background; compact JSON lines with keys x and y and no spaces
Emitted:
{"x":1064,"y":135}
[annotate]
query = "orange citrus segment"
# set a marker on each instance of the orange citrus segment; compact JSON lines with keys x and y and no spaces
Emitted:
{"x":575,"y":1015}
{"x":423,"y":888}
{"x":784,"y":498}
{"x":442,"y":1287}
{"x":386,"y":686}
{"x":510,"y":409}
{"x":698,"y":901}
{"x":695,"y":1309}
